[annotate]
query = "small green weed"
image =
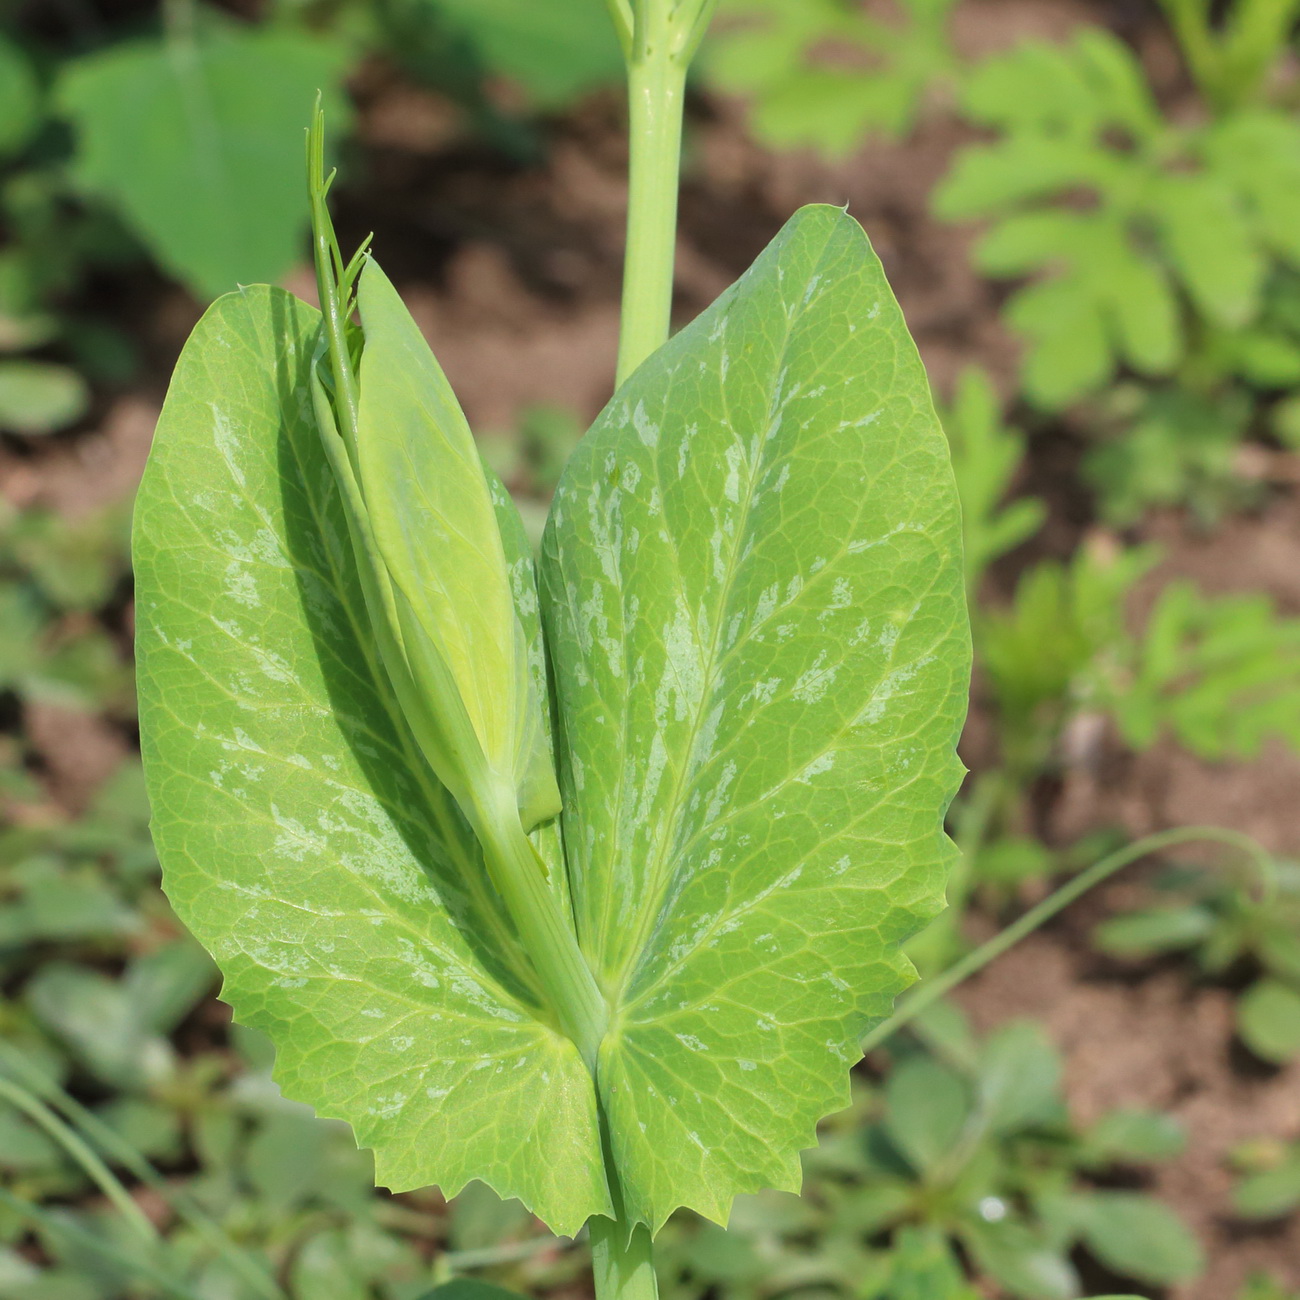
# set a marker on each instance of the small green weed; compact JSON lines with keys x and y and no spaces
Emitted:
{"x":1225,"y":925}
{"x":986,"y":458}
{"x":824,"y":74}
{"x":1220,"y":673}
{"x":1269,"y":1182}
{"x":55,"y":578}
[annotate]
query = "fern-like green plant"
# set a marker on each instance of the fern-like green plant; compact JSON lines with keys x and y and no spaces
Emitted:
{"x":1140,"y":233}
{"x":824,"y":74}
{"x":986,"y":457}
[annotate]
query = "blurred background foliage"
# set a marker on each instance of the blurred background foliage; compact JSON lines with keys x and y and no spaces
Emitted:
{"x":1146,"y":241}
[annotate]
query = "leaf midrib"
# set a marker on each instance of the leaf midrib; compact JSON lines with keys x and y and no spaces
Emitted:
{"x":660,"y":875}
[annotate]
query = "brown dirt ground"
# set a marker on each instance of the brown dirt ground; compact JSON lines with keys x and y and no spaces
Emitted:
{"x":513,"y":272}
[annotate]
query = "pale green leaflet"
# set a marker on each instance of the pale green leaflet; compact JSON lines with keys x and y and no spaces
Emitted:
{"x":434,"y":525}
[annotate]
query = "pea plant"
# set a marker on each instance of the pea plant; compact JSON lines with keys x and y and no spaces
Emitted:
{"x":581,"y":878}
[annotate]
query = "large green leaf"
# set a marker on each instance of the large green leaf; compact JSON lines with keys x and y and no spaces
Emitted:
{"x":752,"y":589}
{"x":199,"y":145}
{"x":302,"y":838}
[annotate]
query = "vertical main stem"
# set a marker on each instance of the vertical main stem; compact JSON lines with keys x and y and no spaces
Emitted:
{"x":656,"y":97}
{"x":622,"y":1262}
{"x":659,"y":38}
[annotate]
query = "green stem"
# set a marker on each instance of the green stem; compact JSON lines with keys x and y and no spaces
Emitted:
{"x":622,"y":1262}
{"x":656,"y":98}
{"x":519,"y":875}
{"x":929,"y":992}
{"x":35,"y":1109}
{"x":62,"y":1225}
{"x":456,"y":1262}
{"x":329,"y":273}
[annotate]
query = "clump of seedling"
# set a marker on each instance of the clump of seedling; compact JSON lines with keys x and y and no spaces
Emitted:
{"x":1228,"y":926}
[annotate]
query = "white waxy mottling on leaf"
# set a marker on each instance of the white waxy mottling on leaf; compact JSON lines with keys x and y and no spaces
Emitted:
{"x":226,"y":441}
{"x":682,"y":682}
{"x":765,"y":605}
{"x":759,"y":771}
{"x":822,"y":763}
{"x":734,"y":457}
{"x":692,"y":695}
{"x":717,"y":544}
{"x":718,"y":800}
{"x":646,"y":429}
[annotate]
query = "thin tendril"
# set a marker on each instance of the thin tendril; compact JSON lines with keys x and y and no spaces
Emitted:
{"x":35,"y":1109}
{"x":929,"y":992}
{"x":116,"y":1148}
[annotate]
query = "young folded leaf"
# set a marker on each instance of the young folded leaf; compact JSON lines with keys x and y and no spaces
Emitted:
{"x":433,"y":522}
{"x":431,"y":562}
